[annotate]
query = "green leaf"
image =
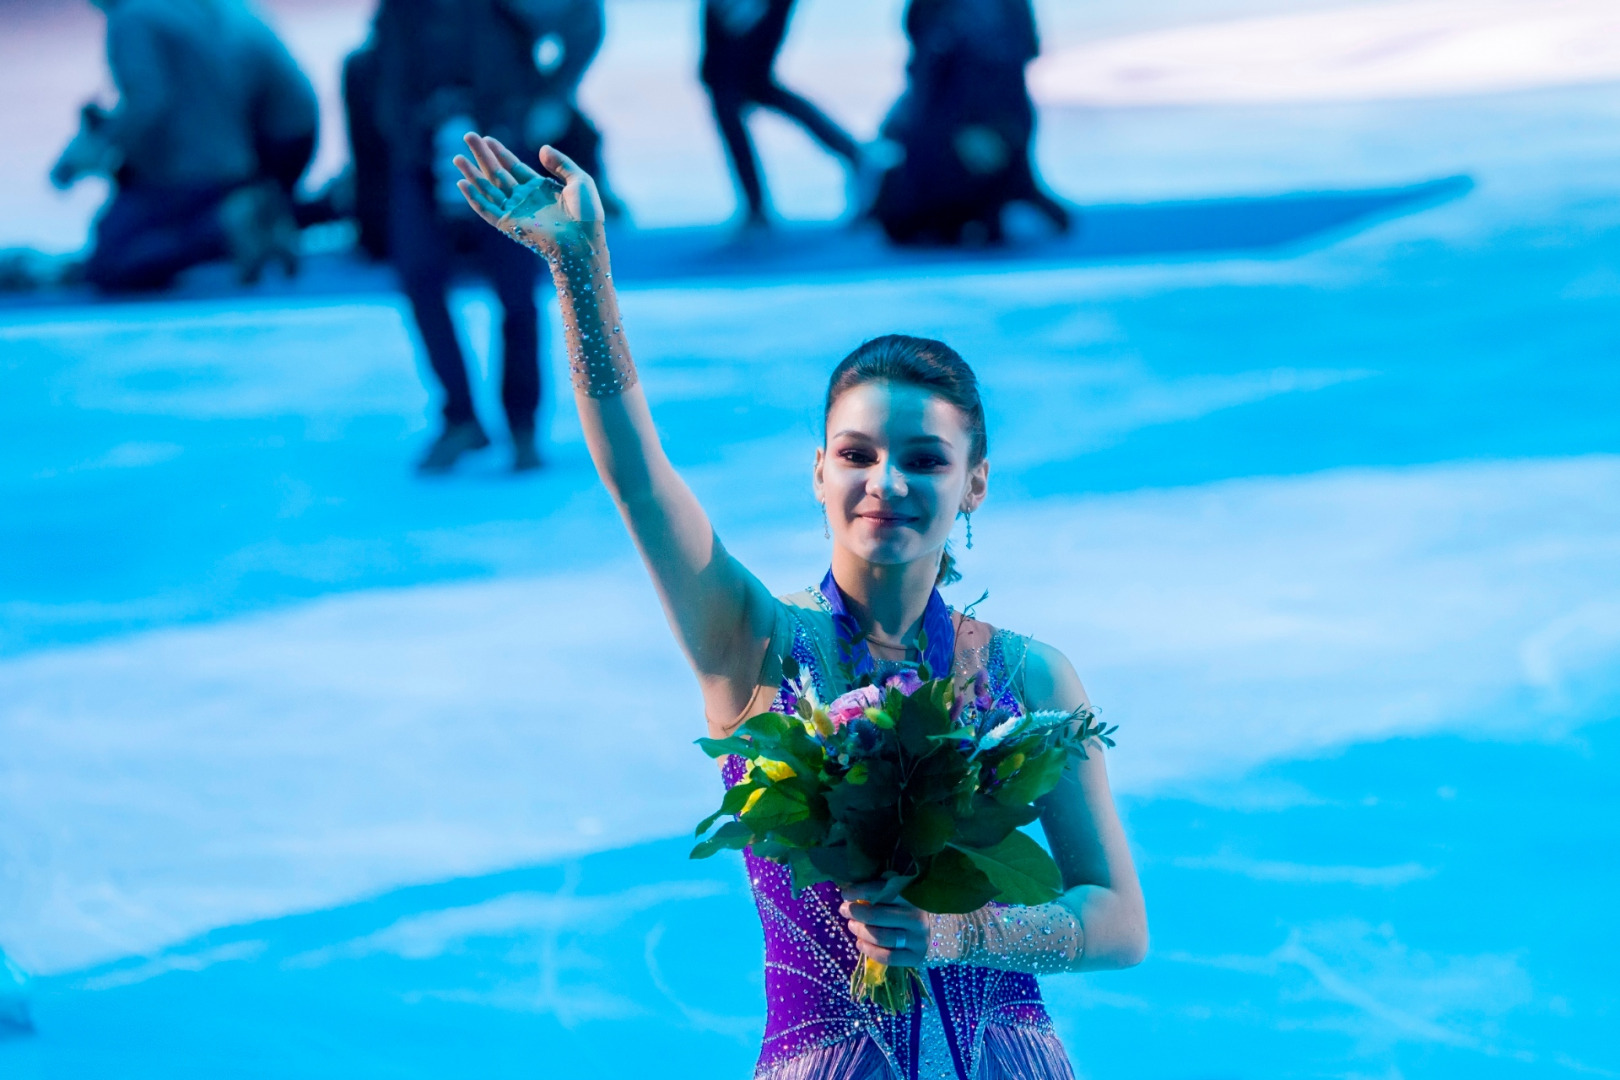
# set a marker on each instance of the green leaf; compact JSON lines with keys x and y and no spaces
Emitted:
{"x":805,"y":872}
{"x":703,"y":826}
{"x":1034,"y":778}
{"x":790,"y":668}
{"x":733,"y":835}
{"x":808,"y":833}
{"x":774,"y":850}
{"x":1020,"y":869}
{"x":951,"y":885}
{"x":844,"y":862}
{"x":927,"y":830}
{"x":769,"y":724}
{"x":731,"y":804}
{"x":857,"y":773}
{"x":780,"y":805}
{"x":914,"y":724}
{"x":989,"y":822}
{"x":955,"y":734}
{"x":716,"y":748}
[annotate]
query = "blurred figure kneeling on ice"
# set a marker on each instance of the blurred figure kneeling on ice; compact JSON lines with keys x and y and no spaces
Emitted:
{"x":214,"y":126}
{"x":963,"y":126}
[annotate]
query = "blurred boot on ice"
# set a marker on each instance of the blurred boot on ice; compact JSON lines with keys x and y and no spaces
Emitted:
{"x":964,"y":125}
{"x":14,"y":1017}
{"x":740,"y":41}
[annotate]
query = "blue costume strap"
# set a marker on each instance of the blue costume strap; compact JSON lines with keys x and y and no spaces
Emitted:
{"x":852,"y":649}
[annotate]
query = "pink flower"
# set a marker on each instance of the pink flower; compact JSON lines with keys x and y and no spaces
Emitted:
{"x":853,"y":705}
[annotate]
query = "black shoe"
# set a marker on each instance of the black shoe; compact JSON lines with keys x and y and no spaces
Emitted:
{"x":525,"y":454}
{"x":454,"y":441}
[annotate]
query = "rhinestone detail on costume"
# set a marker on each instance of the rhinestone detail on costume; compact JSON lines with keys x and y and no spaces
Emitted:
{"x":598,"y":354}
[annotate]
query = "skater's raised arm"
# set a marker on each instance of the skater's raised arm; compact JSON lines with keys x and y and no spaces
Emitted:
{"x":721,"y":614}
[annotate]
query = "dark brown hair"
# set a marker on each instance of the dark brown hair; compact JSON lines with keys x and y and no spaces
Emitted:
{"x":929,"y":365}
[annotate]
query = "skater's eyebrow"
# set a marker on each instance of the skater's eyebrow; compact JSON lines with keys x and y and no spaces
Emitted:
{"x":936,"y":440}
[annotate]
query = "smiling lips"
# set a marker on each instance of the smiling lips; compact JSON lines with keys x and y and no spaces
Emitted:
{"x":886,"y":520}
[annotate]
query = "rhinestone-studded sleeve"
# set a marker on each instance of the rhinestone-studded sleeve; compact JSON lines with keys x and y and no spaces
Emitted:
{"x":1045,"y":939}
{"x":598,"y":354}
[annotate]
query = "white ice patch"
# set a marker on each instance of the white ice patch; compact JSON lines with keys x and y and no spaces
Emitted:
{"x":1251,"y":619}
{"x":1370,"y":52}
{"x":1382,"y":991}
{"x":425,"y":937}
{"x":214,"y":360}
{"x":1294,"y":873}
{"x":186,"y":779}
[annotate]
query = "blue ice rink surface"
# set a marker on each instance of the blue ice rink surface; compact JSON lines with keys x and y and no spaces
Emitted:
{"x":301,"y":758}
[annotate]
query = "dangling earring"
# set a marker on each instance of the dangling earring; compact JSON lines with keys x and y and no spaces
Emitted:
{"x":969,"y":517}
{"x":826,"y":527}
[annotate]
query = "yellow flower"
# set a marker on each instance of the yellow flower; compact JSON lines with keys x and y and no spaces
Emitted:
{"x":823,"y":723}
{"x":776,"y":770}
{"x":752,"y":799}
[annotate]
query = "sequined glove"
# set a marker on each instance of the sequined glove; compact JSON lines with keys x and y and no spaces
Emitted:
{"x":562,"y":222}
{"x":1042,"y":940}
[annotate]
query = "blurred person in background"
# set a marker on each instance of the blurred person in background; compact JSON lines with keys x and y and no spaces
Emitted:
{"x":14,"y":1015}
{"x":437,"y":69}
{"x":741,"y":39}
{"x":964,"y":125}
{"x":285,"y":117}
{"x":204,"y":89}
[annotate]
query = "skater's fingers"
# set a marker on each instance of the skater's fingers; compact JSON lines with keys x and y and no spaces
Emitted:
{"x":876,"y":952}
{"x":883,"y":937}
{"x":476,"y":178}
{"x":561,"y":164}
{"x":510,"y":161}
{"x":482,"y":205}
{"x":490,"y":163}
{"x":492,"y":194}
{"x":905,"y":918}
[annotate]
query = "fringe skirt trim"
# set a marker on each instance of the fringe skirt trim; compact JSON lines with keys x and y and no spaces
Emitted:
{"x":1009,"y":1053}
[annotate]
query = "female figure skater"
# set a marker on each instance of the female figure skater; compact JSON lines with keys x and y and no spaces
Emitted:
{"x":904,"y":456}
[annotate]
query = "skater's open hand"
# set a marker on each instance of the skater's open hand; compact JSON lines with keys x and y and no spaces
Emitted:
{"x":530,"y":206}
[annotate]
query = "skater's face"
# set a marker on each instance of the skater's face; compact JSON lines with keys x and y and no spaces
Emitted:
{"x":895,"y":471}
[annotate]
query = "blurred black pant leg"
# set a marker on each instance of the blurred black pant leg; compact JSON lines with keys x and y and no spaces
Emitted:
{"x":728,"y":103}
{"x":422,"y":248}
{"x":148,"y":234}
{"x":821,"y":127}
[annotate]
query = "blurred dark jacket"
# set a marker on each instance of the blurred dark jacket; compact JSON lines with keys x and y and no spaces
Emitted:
{"x":505,"y":65}
{"x":184,"y":115}
{"x":965,"y":122}
{"x":282,"y":101}
{"x":967,"y":64}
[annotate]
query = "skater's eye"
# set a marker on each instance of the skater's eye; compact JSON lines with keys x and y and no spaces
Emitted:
{"x":858,"y":456}
{"x":926,"y":463}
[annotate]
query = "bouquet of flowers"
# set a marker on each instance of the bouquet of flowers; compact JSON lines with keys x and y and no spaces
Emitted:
{"x":915,"y":781}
